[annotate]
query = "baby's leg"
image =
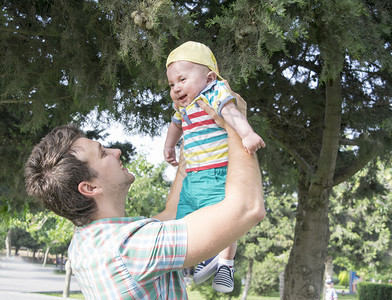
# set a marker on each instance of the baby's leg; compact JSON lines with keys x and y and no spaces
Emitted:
{"x":229,"y":252}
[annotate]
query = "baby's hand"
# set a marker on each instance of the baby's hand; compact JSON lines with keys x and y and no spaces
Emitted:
{"x":252,"y":142}
{"x":170,"y":156}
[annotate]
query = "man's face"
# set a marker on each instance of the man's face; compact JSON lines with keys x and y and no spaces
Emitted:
{"x":186,"y":81}
{"x":111,"y":174}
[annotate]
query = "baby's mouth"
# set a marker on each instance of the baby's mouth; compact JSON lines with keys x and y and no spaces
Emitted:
{"x":182,"y":98}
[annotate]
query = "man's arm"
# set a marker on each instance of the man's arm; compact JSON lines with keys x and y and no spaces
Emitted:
{"x":213,"y":228}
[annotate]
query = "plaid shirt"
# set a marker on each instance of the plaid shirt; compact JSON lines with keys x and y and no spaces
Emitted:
{"x":130,"y":258}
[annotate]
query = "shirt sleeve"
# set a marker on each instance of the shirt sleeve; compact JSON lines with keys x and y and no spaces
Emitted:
{"x":176,"y":117}
{"x":219,"y":96}
{"x":155,"y":248}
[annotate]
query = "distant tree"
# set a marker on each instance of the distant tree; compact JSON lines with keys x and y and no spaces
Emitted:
{"x":360,"y":225}
{"x":128,"y":151}
{"x":266,"y":247}
{"x":147,"y":195}
{"x":21,"y":238}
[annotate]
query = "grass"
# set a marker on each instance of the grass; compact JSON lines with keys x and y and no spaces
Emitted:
{"x":195,"y":295}
{"x":72,"y":295}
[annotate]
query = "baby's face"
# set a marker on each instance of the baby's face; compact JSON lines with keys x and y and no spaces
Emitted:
{"x":186,"y":81}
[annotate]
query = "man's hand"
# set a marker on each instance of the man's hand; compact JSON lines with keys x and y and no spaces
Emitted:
{"x":209,"y":110}
{"x":169,"y":154}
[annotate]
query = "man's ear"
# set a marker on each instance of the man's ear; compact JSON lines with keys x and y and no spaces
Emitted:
{"x":211,"y":76}
{"x":87,"y":189}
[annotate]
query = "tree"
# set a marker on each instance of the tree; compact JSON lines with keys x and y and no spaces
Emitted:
{"x":327,"y":107}
{"x":147,"y":195}
{"x":265,"y":249}
{"x":360,"y":222}
{"x":21,"y":238}
{"x":59,"y":62}
{"x":316,"y":76}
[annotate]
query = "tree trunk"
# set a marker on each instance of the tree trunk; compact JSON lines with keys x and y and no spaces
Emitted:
{"x":281,"y":285}
{"x":61,"y":263}
{"x":8,"y":243}
{"x":305,"y":270}
{"x":46,"y":256}
{"x":68,"y":273}
{"x":248,"y":280}
{"x":328,"y":270}
{"x":328,"y":267}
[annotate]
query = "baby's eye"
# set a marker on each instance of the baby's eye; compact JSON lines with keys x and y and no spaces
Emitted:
{"x":103,"y":153}
{"x":182,"y":79}
{"x":171,"y":85}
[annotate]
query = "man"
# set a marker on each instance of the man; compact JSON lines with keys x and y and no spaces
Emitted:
{"x":114,"y":257}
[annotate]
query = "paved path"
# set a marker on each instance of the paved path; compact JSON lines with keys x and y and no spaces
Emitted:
{"x":22,"y":280}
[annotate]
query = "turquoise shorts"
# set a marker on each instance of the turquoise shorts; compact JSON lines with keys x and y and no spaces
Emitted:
{"x":201,"y":189}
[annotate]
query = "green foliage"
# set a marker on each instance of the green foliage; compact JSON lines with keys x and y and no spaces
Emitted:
{"x":21,"y":238}
{"x":127,"y":151}
{"x":360,"y":223}
{"x":40,"y":230}
{"x":373,"y":291}
{"x":268,"y":243}
{"x":147,"y":196}
{"x":344,"y":278}
{"x":62,"y":59}
{"x":275,"y":233}
{"x":265,"y":278}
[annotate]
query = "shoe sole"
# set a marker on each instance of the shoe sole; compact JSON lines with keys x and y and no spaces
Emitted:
{"x":206,"y":272}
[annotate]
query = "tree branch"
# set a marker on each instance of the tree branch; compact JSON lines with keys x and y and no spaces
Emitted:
{"x":13,"y":30}
{"x":11,"y":101}
{"x":326,"y":164}
{"x":363,"y":158}
{"x":298,"y":158}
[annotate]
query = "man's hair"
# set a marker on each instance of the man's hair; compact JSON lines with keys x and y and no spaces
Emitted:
{"x":53,"y":173}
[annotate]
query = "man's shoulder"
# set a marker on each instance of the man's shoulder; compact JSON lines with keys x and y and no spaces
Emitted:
{"x":118,"y":226}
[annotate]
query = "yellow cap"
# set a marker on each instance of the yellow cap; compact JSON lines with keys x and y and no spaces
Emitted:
{"x":194,"y":52}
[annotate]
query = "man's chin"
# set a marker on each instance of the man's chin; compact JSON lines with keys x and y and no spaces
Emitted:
{"x":131,"y":178}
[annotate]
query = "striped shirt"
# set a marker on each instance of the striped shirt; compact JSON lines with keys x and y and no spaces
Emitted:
{"x":130,"y":258}
{"x":205,"y":143}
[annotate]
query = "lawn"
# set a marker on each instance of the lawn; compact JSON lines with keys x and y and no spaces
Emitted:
{"x":194,"y":295}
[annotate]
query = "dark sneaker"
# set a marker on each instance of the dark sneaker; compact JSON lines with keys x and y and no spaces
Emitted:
{"x":205,"y":270}
{"x":224,"y":279}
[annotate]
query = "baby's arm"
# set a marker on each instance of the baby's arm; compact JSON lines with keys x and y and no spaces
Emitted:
{"x":174,"y":134}
{"x":250,"y":140}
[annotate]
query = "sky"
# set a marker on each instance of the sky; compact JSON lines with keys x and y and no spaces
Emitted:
{"x":151,"y":147}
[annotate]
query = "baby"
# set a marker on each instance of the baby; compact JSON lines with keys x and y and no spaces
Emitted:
{"x":193,"y":75}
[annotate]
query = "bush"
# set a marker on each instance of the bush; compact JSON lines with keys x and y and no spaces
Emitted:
{"x":265,"y":277}
{"x":344,"y":278}
{"x":374,"y":291}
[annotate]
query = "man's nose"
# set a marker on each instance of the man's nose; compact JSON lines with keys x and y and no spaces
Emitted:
{"x":117,"y":152}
